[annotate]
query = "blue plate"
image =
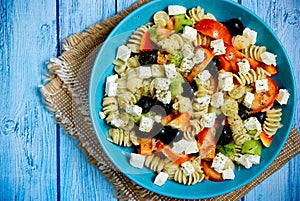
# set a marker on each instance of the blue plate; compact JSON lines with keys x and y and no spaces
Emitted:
{"x":223,"y":10}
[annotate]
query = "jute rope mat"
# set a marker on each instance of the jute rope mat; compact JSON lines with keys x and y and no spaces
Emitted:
{"x":65,"y":94}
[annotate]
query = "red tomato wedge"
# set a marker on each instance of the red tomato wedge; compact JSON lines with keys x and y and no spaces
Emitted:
{"x":210,"y":173}
{"x":266,"y":140}
{"x":207,"y":143}
{"x":177,"y":158}
{"x":264,"y":100}
{"x":214,"y":29}
{"x":182,"y":121}
{"x":209,"y":55}
{"x":146,"y":43}
{"x":269,"y":68}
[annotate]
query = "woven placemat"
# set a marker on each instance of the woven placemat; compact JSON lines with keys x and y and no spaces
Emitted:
{"x":66,"y":95}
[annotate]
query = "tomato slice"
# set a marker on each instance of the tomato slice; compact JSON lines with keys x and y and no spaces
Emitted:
{"x":177,"y":158}
{"x":211,"y":173}
{"x":214,"y":29}
{"x":264,"y":100}
{"x":266,"y":140}
{"x":146,"y":43}
{"x":269,"y":68}
{"x":207,"y":143}
{"x":209,"y":55}
{"x":182,"y":121}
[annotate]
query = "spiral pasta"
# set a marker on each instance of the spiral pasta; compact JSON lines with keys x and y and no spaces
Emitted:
{"x":237,"y":92}
{"x":154,"y":163}
{"x":201,"y":40}
{"x":239,"y":133}
{"x":194,"y":128}
{"x":272,"y":121}
{"x":122,"y":137}
{"x":120,"y":67}
{"x":195,"y":177}
{"x":251,"y":76}
{"x":197,"y":13}
{"x":200,"y":106}
{"x":135,"y":39}
{"x":240,"y":42}
{"x":110,"y":104}
{"x":125,"y":98}
{"x":172,"y":43}
{"x":254,"y":52}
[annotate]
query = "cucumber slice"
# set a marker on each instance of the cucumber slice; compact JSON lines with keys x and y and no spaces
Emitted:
{"x":252,"y":147}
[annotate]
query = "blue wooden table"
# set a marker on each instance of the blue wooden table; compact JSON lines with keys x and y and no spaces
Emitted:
{"x":37,"y":160}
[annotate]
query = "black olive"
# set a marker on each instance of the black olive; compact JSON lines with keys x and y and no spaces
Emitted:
{"x":148,"y":57}
{"x":146,"y":103}
{"x":226,"y":136}
{"x":243,"y":112}
{"x":167,"y":107}
{"x":261,"y":116}
{"x":235,"y":26}
{"x":167,"y":134}
{"x":188,"y":90}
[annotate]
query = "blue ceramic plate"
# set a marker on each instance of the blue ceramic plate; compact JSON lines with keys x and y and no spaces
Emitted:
{"x":223,"y":10}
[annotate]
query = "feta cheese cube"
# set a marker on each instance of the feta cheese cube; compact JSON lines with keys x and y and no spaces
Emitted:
{"x":123,"y":53}
{"x":268,"y":58}
{"x":161,"y":178}
{"x":161,"y":83}
{"x":112,"y":78}
{"x":249,"y":97}
{"x":217,"y":99}
{"x":199,"y":56}
{"x":170,"y":71}
{"x":134,"y":110}
{"x":203,"y":76}
{"x":163,"y":96}
{"x":187,"y":168}
{"x":261,"y":85}
{"x":219,"y":162}
{"x":228,"y":174}
{"x":116,"y":122}
{"x":111,"y":88}
{"x":157,"y":118}
{"x":144,"y":72}
{"x":204,"y":100}
{"x":283,"y":96}
{"x":102,"y":115}
{"x":218,"y":46}
{"x":254,"y":159}
{"x":146,"y":124}
{"x":244,"y":66}
{"x":243,"y":160}
{"x":176,"y":10}
{"x":250,"y":35}
{"x":209,"y":120}
{"x":180,"y":146}
{"x":189,"y":33}
{"x":157,"y":70}
{"x":137,"y":160}
{"x":226,"y":81}
{"x":192,"y":148}
{"x":252,"y":124}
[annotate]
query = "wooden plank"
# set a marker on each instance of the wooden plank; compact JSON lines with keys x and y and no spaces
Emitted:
{"x":27,"y":129}
{"x":78,"y":179}
{"x":284,"y":18}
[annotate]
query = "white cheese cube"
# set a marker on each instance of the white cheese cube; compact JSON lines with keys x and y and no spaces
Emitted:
{"x":161,"y":178}
{"x":243,"y":160}
{"x":250,"y":35}
{"x":203,"y":76}
{"x":189,"y":33}
{"x":123,"y":53}
{"x":219,"y":162}
{"x":199,"y":56}
{"x":102,"y":115}
{"x":157,"y":118}
{"x":112,"y":78}
{"x":116,"y":122}
{"x":283,"y":96}
{"x":204,"y":100}
{"x":252,"y":124}
{"x":248,"y":100}
{"x":137,"y":160}
{"x":163,"y":96}
{"x":176,"y":10}
{"x":244,"y":66}
{"x":146,"y":124}
{"x":218,"y":46}
{"x":192,"y":148}
{"x":157,"y":70}
{"x":144,"y":72}
{"x":228,"y":174}
{"x":187,"y":51}
{"x":161,"y":83}
{"x":268,"y":58}
{"x":187,"y":168}
{"x":134,"y":110}
{"x":111,"y":88}
{"x":209,"y":120}
{"x":254,"y":159}
{"x":261,"y":85}
{"x":217,"y":99}
{"x":186,"y":65}
{"x":226,"y":81}
{"x":180,"y":146}
{"x":170,"y":71}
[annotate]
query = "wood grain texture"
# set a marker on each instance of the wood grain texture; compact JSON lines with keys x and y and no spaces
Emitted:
{"x":78,"y":179}
{"x":284,"y":19}
{"x":27,"y":130}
